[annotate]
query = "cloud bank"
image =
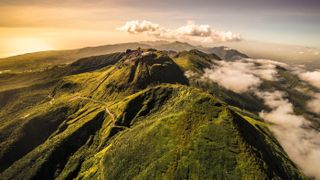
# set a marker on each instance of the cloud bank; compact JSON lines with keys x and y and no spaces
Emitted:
{"x":314,"y":104}
{"x":190,"y":32}
{"x":312,"y":77}
{"x":294,"y":132}
{"x":300,"y":142}
{"x":242,"y":75}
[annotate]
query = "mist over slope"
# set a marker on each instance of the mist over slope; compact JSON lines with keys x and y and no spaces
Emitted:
{"x":177,"y":112}
{"x":291,"y":124}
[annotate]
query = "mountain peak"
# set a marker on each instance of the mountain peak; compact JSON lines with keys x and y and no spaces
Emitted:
{"x":227,"y":53}
{"x":135,"y":114}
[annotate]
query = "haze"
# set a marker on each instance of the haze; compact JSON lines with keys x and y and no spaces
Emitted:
{"x":29,"y":26}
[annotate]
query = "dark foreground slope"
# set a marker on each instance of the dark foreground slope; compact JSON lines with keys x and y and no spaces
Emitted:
{"x":133,"y":115}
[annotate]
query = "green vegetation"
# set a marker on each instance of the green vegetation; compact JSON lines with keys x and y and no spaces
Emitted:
{"x":133,"y":115}
{"x":194,"y":60}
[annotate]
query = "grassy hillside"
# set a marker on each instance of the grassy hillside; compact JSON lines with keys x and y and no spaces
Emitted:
{"x":194,"y":60}
{"x":133,"y":115}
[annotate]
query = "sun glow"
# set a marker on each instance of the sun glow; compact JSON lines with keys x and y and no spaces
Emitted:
{"x":27,"y":45}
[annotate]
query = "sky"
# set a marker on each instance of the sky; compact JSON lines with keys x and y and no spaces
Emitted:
{"x":34,"y":25}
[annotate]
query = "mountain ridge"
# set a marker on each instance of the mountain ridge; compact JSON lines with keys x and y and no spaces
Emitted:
{"x":135,"y":115}
{"x":41,"y":60}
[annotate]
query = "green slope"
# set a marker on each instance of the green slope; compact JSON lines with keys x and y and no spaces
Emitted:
{"x":133,"y":115}
{"x":194,"y":60}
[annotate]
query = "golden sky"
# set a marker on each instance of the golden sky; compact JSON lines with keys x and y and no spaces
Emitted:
{"x":35,"y":25}
{"x":36,"y":28}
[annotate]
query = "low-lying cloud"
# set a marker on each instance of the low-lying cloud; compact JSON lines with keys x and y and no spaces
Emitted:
{"x":282,"y":109}
{"x":312,"y":77}
{"x":190,"y":32}
{"x":314,"y":104}
{"x":241,"y":75}
{"x":293,"y":132}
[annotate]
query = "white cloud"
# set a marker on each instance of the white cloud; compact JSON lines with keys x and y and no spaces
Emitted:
{"x":190,"y":32}
{"x":138,"y":27}
{"x":282,"y":109}
{"x":293,"y":131}
{"x":241,"y":75}
{"x":312,"y":77}
{"x":191,"y":29}
{"x":232,"y":76}
{"x":314,"y":104}
{"x":300,"y":142}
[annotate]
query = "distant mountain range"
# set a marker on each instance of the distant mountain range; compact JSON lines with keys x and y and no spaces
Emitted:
{"x":40,"y":60}
{"x":287,"y":54}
